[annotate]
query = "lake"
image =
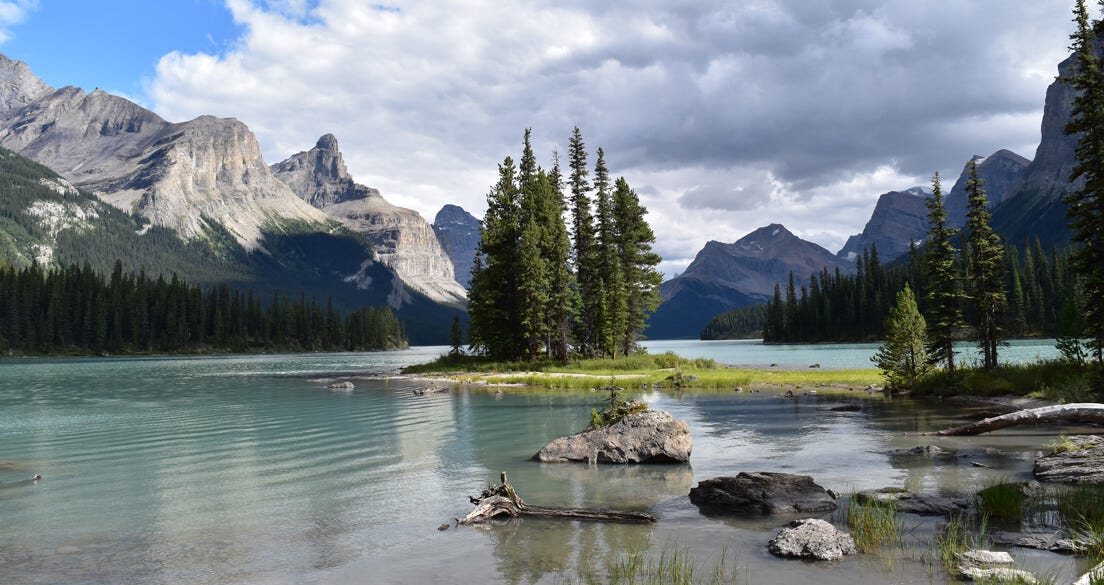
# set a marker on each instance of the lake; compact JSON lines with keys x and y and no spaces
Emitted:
{"x":248,"y":469}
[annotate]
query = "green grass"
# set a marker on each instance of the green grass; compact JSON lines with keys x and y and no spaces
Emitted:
{"x":873,"y":524}
{"x":666,"y":370}
{"x":959,"y":535}
{"x":1051,"y":380}
{"x":1002,"y":500}
{"x":674,"y":566}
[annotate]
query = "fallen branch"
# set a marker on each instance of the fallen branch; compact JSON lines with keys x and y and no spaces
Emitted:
{"x":503,"y":500}
{"x":1079,"y":412}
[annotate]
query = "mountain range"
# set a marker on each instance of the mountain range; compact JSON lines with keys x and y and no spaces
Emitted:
{"x":1025,"y":198}
{"x":197,"y":198}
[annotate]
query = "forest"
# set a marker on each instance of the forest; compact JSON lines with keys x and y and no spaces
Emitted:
{"x":75,"y":310}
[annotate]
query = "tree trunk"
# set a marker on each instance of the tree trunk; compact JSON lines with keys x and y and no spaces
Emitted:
{"x":504,"y":501}
{"x":1079,"y":412}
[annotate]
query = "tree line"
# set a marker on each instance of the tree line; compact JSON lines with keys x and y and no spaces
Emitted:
{"x":833,"y":306}
{"x":540,"y":289}
{"x":76,"y":310}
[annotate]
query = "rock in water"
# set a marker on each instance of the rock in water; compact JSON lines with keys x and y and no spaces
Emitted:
{"x":1081,"y":462}
{"x":812,"y":539}
{"x":644,"y":437}
{"x":919,"y":504}
{"x":761,"y":493}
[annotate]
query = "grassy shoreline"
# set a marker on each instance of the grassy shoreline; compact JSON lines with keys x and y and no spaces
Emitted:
{"x":661,"y":372}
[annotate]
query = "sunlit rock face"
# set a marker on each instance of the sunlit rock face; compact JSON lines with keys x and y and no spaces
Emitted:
{"x":182,"y":176}
{"x":400,"y":237}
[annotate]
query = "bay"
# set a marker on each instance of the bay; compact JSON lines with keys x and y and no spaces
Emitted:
{"x":249,"y":469}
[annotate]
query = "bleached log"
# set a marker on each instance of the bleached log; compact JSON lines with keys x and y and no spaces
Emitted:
{"x":1078,"y":412}
{"x":503,"y":500}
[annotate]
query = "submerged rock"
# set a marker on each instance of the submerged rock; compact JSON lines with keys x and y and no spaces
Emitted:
{"x":1080,"y":460}
{"x":761,"y":493}
{"x":1055,"y":542}
{"x":920,"y":504}
{"x":644,"y":437}
{"x":921,"y":451}
{"x":342,"y":385}
{"x":812,"y":539}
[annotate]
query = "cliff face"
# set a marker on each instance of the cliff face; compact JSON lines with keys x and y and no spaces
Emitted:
{"x":458,"y":232}
{"x":725,"y":276}
{"x":177,"y":175}
{"x":899,"y":217}
{"x":400,"y":237}
{"x":1000,"y":174}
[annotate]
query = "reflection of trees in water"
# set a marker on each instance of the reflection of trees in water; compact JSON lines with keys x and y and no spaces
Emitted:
{"x":634,"y":488}
{"x":529,"y":549}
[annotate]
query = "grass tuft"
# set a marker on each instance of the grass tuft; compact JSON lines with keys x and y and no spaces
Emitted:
{"x":873,"y":524}
{"x":1002,"y":500}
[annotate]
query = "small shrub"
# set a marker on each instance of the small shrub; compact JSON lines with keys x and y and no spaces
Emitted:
{"x":618,"y":408}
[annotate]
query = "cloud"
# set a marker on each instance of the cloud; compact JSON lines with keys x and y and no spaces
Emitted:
{"x":13,"y":13}
{"x":725,"y":116}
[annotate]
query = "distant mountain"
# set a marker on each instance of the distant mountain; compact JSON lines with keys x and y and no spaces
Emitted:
{"x":401,"y":238}
{"x":725,"y":276}
{"x":458,"y":232}
{"x":1000,"y":173}
{"x":899,"y":217}
{"x":194,"y":197}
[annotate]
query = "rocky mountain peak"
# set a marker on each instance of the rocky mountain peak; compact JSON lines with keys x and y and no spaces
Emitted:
{"x":899,"y":217}
{"x":18,"y":86}
{"x":401,"y":238}
{"x":1000,"y":173}
{"x":320,"y":177}
{"x":458,"y":232}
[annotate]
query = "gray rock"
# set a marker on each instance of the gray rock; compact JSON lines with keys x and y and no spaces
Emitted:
{"x":645,"y":437}
{"x":761,"y":493}
{"x":921,"y":451}
{"x":401,"y":238}
{"x":1084,"y":463}
{"x":342,"y":385}
{"x":997,"y":575}
{"x":458,"y":232}
{"x":920,"y":504}
{"x":812,"y":539}
{"x":1055,"y":542}
{"x":984,"y":557}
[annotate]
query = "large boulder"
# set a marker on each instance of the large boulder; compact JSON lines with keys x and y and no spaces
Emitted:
{"x":1078,"y":459}
{"x":761,"y":493}
{"x":645,"y":437}
{"x":812,"y":539}
{"x":919,"y":504}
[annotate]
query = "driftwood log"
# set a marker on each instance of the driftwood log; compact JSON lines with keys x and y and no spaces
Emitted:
{"x":503,"y":500}
{"x":1078,"y":412}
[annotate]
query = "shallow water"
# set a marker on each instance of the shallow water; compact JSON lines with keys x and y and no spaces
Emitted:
{"x":247,"y":469}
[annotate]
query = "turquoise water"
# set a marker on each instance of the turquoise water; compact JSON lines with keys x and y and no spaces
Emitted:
{"x":248,"y":469}
{"x":837,"y":356}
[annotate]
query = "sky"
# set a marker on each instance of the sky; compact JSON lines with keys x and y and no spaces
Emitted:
{"x":724,"y":115}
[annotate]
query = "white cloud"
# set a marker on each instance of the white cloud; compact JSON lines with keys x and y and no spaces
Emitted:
{"x":13,"y":13}
{"x":725,"y":116}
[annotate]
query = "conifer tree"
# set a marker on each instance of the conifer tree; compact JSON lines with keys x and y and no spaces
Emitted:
{"x":903,"y":357}
{"x":585,"y":255}
{"x":638,"y":263}
{"x":1086,"y":200}
{"x":493,"y":297}
{"x":986,"y":265}
{"x":562,"y":294}
{"x":944,"y":288}
{"x":611,"y":318}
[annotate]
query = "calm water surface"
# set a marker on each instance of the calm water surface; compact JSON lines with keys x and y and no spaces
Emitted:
{"x":248,"y":469}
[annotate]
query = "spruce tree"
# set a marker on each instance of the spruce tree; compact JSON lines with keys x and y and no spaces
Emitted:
{"x":638,"y":263}
{"x":493,"y":298}
{"x":903,"y":357}
{"x":944,"y":288}
{"x":562,"y":293}
{"x":611,"y":319}
{"x":456,"y":337}
{"x":987,"y":271}
{"x":1086,"y":200}
{"x":584,"y":253}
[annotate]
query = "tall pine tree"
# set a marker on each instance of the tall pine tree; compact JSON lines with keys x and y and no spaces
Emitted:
{"x":585,"y":255}
{"x":638,"y":263}
{"x":986,"y":264}
{"x":944,"y":288}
